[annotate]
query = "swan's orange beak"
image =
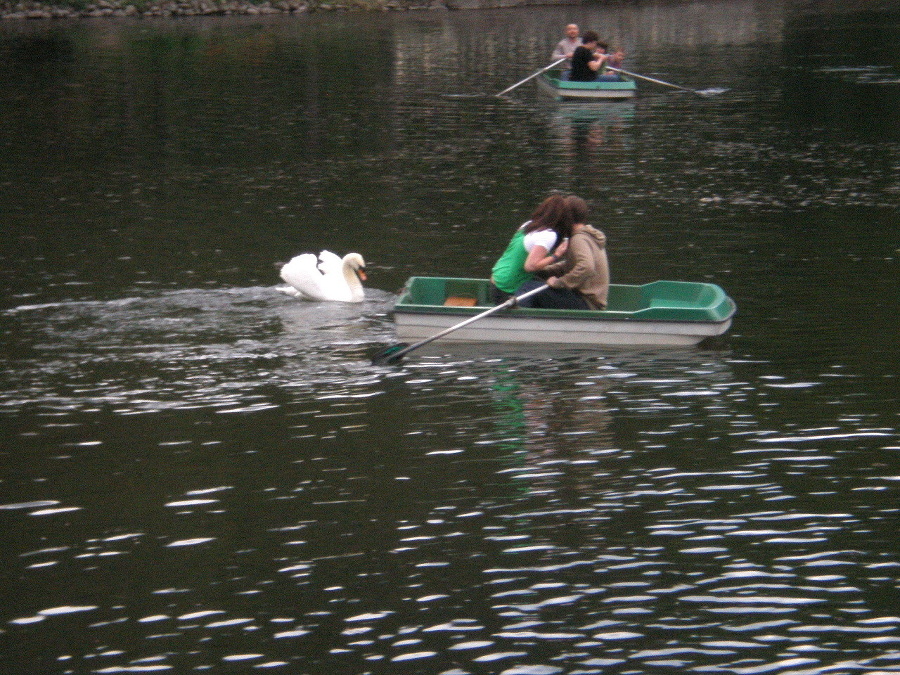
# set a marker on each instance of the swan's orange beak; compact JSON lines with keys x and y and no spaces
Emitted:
{"x":361,"y":273}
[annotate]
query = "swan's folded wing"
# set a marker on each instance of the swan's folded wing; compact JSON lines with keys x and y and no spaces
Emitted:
{"x":302,"y":274}
{"x":330,"y":263}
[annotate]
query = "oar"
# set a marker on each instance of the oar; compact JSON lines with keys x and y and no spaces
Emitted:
{"x":396,"y":352}
{"x":534,"y":74}
{"x":652,"y":79}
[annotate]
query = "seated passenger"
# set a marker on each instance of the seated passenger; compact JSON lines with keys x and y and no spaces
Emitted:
{"x":613,"y":60}
{"x":537,"y":243}
{"x":581,"y":279}
{"x":585,"y":61}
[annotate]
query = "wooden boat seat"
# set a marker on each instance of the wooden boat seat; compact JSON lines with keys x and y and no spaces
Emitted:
{"x":459,"y":301}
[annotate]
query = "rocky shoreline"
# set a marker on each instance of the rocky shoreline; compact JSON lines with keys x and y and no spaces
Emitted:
{"x":74,"y":9}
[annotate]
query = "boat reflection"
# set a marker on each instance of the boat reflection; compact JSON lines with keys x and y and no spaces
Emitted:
{"x":583,"y":128}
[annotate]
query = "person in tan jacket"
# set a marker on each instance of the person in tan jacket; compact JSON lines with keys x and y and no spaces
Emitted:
{"x":580,"y":280}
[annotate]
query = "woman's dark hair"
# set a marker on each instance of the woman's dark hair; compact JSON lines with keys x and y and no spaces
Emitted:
{"x":552,"y":214}
{"x":577,"y":208}
{"x":589,"y":36}
{"x":552,"y":209}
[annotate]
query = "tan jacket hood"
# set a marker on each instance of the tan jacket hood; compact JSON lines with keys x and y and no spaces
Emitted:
{"x":595,"y":234}
{"x":585,"y":268}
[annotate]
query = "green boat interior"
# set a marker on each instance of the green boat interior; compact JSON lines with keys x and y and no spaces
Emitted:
{"x":655,"y":301}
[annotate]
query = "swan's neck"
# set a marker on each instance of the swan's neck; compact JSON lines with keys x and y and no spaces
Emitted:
{"x":353,"y":283}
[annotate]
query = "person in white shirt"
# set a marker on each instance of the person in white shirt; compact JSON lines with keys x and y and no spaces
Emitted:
{"x":539,"y":242}
{"x":566,"y":47}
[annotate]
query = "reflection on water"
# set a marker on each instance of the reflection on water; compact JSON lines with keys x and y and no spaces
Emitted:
{"x":586,"y":131}
{"x":265,"y":497}
{"x":202,"y":473}
{"x":157,"y":352}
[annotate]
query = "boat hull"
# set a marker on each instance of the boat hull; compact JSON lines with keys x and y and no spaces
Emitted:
{"x":573,"y":333}
{"x":662,"y":314}
{"x":563,"y":90}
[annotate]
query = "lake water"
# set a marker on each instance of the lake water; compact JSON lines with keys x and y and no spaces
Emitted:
{"x":200,"y":473}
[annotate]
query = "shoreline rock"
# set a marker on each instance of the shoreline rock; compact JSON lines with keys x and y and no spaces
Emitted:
{"x":74,"y":9}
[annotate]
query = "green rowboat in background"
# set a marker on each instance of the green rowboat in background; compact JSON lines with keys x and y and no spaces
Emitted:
{"x":661,"y":313}
{"x":563,"y":90}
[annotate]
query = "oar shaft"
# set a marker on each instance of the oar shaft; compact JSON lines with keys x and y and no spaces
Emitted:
{"x":472,"y":319}
{"x":649,"y":79}
{"x":534,"y":74}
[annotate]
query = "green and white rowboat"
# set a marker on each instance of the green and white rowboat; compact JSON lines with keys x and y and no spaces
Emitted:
{"x":661,"y":313}
{"x":563,"y":90}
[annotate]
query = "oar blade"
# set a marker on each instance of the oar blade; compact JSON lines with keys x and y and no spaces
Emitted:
{"x":389,"y":356}
{"x":395,"y":353}
{"x":712,"y":91}
{"x":482,"y":94}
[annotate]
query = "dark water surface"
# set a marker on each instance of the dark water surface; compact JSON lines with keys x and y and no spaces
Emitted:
{"x":200,"y":473}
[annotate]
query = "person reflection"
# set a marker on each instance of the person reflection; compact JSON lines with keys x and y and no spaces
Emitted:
{"x":540,"y":423}
{"x":582,"y":129}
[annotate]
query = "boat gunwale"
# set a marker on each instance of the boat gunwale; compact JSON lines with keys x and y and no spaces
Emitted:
{"x":596,"y":85}
{"x":593,"y":315}
{"x":564,"y":90}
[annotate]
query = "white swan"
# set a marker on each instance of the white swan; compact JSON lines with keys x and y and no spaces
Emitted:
{"x":331,"y":279}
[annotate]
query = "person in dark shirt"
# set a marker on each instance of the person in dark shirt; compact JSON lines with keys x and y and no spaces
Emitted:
{"x":585,"y":61}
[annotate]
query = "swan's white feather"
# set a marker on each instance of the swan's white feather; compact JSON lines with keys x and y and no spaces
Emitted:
{"x":330,"y":263}
{"x":329,"y":278}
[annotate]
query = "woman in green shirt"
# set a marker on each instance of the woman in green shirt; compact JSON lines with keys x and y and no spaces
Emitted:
{"x":537,"y":243}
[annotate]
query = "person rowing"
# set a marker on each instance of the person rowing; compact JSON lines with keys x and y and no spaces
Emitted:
{"x":567,"y":46}
{"x":588,"y":60}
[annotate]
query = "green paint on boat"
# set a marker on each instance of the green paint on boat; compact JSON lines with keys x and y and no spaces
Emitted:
{"x":562,"y":89}
{"x":679,"y":301}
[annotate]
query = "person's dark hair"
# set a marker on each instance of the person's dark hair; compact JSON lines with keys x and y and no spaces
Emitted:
{"x":604,"y":46}
{"x":589,"y":36}
{"x":552,"y":214}
{"x":563,"y":227}
{"x":577,"y":208}
{"x":548,"y":212}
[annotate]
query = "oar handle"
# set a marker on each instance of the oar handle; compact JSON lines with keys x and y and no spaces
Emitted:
{"x":472,"y":319}
{"x":534,"y":74}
